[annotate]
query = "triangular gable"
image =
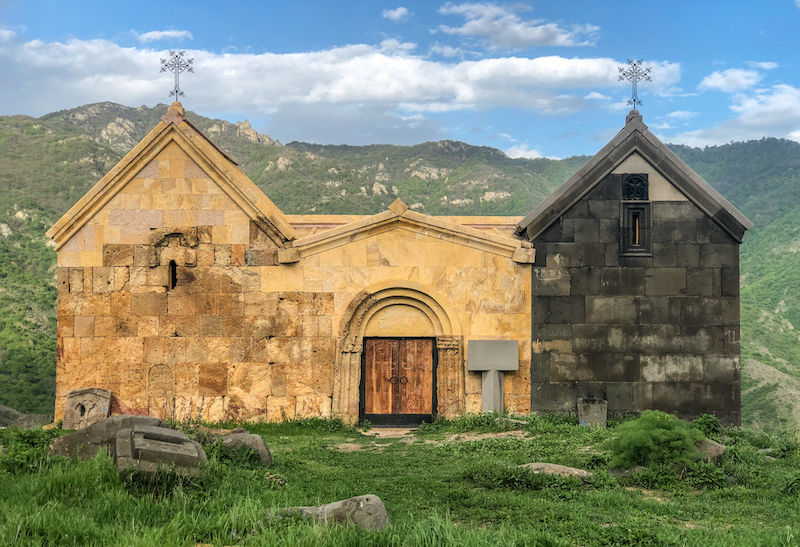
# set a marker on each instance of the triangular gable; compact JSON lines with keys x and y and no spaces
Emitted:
{"x":400,"y":216}
{"x":174,"y":128}
{"x":635,"y":138}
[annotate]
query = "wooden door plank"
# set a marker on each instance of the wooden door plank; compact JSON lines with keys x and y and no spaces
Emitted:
{"x":381,"y":359}
{"x":416,"y":366}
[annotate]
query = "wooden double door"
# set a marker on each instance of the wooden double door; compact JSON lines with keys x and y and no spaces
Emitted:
{"x":398,"y":380}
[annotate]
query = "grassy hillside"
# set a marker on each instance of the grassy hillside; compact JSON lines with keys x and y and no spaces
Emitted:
{"x":47,"y":164}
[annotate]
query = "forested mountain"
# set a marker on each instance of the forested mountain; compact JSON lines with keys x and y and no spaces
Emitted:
{"x":47,"y":164}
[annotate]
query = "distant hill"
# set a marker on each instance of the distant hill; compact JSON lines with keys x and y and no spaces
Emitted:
{"x":47,"y":164}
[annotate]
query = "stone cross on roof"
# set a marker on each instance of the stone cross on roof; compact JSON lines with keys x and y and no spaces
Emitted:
{"x":634,"y":74}
{"x":177,"y":64}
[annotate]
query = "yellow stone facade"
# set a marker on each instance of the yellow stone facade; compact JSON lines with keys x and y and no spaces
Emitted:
{"x":187,"y":293}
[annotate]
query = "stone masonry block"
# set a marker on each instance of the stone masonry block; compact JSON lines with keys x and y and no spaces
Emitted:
{"x":149,"y":304}
{"x":551,"y":281}
{"x":600,"y":309}
{"x":719,"y":256}
{"x":564,"y":255}
{"x":587,"y":230}
{"x":546,"y":396}
{"x":684,"y":368}
{"x":667,"y":210}
{"x":593,"y":254}
{"x":721,"y":368}
{"x":620,"y":396}
{"x":666,"y":281}
{"x":604,"y":209}
{"x":700,"y":281}
{"x":729,"y":281}
{"x":665,"y":255}
{"x":117,"y":255}
{"x":585,"y":281}
{"x":687,"y":256}
{"x":102,"y":279}
{"x":622,"y":281}
{"x":540,"y":367}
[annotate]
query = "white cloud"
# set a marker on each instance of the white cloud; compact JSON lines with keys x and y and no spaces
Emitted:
{"x":449,"y":51}
{"x":731,"y":80}
{"x":662,"y":126}
{"x":773,"y":112}
{"x":158,"y":35}
{"x":502,"y":28}
{"x":389,"y":81}
{"x":522,"y":151}
{"x":765,"y":65}
{"x":397,"y":15}
{"x":595,"y":96}
{"x":797,"y":3}
{"x":7,"y":35}
{"x":681,"y":115}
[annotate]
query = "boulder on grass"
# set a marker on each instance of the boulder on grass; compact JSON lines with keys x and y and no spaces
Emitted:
{"x":147,"y":449}
{"x":555,"y":469}
{"x":712,"y":450}
{"x":12,"y":418}
{"x":237,"y":441}
{"x":85,"y":443}
{"x":367,"y":512}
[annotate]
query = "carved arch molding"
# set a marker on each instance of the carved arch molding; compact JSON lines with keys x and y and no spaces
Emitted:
{"x":350,"y":345}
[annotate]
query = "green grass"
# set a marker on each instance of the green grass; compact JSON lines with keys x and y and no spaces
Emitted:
{"x":437,"y":492}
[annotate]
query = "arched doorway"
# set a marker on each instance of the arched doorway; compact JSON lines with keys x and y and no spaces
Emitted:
{"x":395,"y":331}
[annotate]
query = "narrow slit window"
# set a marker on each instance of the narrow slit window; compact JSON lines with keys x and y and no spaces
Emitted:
{"x":173,"y":274}
{"x":635,"y":231}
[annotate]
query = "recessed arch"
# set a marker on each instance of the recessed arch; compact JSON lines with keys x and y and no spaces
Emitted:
{"x":447,"y":329}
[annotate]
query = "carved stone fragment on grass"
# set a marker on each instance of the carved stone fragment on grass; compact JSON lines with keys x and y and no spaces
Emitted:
{"x":367,"y":512}
{"x":85,"y":443}
{"x":85,"y":407}
{"x":147,"y":449}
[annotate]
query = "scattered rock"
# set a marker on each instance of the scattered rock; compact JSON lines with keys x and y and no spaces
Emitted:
{"x":236,"y":441}
{"x":85,"y":407}
{"x":147,"y":448}
{"x":367,"y":512}
{"x":85,"y":442}
{"x":555,"y":469}
{"x":712,"y":450}
{"x":12,"y":418}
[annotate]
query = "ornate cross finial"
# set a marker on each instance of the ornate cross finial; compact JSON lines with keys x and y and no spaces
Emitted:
{"x":634,"y":74}
{"x":176,"y":64}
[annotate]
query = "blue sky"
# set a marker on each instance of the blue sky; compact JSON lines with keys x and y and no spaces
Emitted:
{"x":530,"y":78}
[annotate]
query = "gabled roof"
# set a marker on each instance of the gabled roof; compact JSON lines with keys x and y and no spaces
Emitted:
{"x":400,"y":216}
{"x":635,"y":138}
{"x":222,"y":169}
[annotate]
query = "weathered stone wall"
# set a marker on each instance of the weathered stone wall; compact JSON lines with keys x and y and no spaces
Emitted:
{"x":659,"y":332}
{"x":237,"y":335}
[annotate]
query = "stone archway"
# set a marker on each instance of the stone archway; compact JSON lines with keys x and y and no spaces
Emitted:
{"x":350,"y":345}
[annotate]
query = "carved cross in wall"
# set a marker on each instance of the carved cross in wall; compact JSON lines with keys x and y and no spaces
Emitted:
{"x":634,"y":74}
{"x":177,"y":64}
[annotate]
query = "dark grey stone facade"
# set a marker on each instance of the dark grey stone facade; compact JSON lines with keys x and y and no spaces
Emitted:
{"x":642,"y":332}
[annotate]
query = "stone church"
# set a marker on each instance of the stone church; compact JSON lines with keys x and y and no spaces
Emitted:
{"x":186,"y":293}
